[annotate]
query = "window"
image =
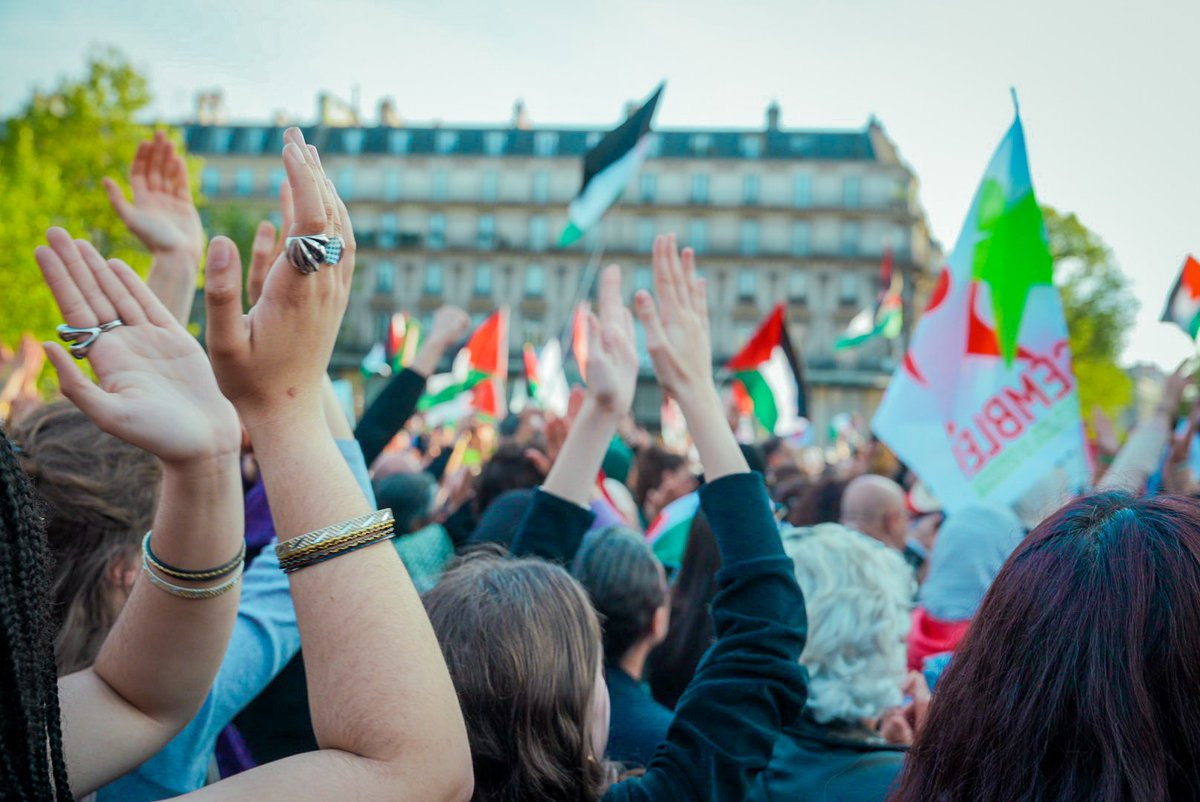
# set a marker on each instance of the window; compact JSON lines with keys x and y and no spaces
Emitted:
{"x":391,"y":184}
{"x":399,"y":141}
{"x":494,"y":142}
{"x":545,"y":143}
{"x":445,"y":141}
{"x":345,"y":182}
{"x":750,"y":189}
{"x":801,"y":239}
{"x":221,"y":138}
{"x":385,"y":278}
{"x":441,"y":185}
{"x":210,"y":181}
{"x":747,"y":284}
{"x":797,"y":285}
{"x":848,"y":288}
{"x":592,"y":138}
{"x":748,"y":237}
{"x":276,"y":179}
{"x":433,"y":279}
{"x":539,"y":233}
{"x":645,"y":235}
{"x":653,"y":145}
{"x":701,"y":144}
{"x":352,"y":140}
{"x":700,"y":188}
{"x":643,"y":279}
{"x":802,"y":191}
{"x":541,"y":186}
{"x":751,"y":146}
{"x":243,"y":181}
{"x":852,"y":192}
{"x":647,"y":187}
{"x":850,"y":237}
{"x":535,"y":281}
{"x":487,"y":232}
{"x":437,"y":232}
{"x":387,"y":230}
{"x":491,"y":186}
{"x":697,"y":235}
{"x":482,"y":283}
{"x":252,"y":140}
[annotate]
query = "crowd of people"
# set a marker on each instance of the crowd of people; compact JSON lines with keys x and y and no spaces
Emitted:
{"x":214,"y":586}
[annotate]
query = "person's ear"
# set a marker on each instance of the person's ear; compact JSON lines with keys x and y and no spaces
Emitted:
{"x":121,"y":572}
{"x":660,"y":624}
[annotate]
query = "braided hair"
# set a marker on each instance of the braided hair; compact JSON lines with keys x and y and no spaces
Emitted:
{"x":32,"y":765}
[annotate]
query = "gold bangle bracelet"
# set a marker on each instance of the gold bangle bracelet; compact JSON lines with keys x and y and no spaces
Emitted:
{"x":337,"y":541}
{"x":312,"y":558}
{"x":288,"y":547}
{"x":192,"y":594}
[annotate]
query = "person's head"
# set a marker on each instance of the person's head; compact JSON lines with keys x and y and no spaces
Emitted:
{"x":972,"y":545}
{"x":628,"y":587}
{"x":857,"y":594}
{"x":508,"y":469}
{"x":1078,"y":678}
{"x":523,"y":646}
{"x":410,"y":497}
{"x":875,"y":506}
{"x":819,"y":503}
{"x":99,"y":494}
{"x":672,"y":665}
{"x":31,"y":752}
{"x":661,"y":476}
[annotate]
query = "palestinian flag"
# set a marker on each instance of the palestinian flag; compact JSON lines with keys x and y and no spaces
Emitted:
{"x":480,"y":369}
{"x":668,"y":533}
{"x":608,"y":168}
{"x":532,"y":380}
{"x":884,"y":319}
{"x":404,"y":338}
{"x":1183,"y":305}
{"x":768,"y":378}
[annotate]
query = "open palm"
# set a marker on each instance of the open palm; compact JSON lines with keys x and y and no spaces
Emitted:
{"x":612,"y":364}
{"x":162,"y":214}
{"x":157,"y":389}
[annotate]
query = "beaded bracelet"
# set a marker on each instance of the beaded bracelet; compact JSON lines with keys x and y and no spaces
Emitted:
{"x":339,"y":538}
{"x":192,"y":576}
{"x":192,"y":594}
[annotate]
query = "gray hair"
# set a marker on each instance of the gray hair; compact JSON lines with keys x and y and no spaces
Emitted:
{"x":858,"y":594}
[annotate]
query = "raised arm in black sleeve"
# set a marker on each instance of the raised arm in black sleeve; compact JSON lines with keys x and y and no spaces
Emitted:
{"x":389,"y":412}
{"x":750,"y":683}
{"x":553,"y":529}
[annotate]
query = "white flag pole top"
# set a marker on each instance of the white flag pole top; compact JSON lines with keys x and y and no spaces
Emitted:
{"x":985,"y":405}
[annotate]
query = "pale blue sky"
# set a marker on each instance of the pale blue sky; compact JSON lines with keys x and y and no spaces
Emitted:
{"x":1109,"y":90}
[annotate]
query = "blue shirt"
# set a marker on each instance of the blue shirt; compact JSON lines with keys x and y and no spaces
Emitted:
{"x":265,"y":637}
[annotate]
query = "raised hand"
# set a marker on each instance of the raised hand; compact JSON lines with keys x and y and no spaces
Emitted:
{"x":156,"y":389}
{"x":677,"y":335}
{"x":271,"y":362}
{"x":612,"y":366}
{"x":267,"y":247}
{"x":162,"y":214}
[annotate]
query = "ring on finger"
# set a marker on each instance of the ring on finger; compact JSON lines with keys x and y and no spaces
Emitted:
{"x":81,"y":339}
{"x":307,"y":253}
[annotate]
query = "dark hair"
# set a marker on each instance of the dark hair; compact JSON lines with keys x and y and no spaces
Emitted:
{"x":31,"y":753}
{"x":653,"y":462}
{"x":820,"y":504}
{"x":1078,"y":678}
{"x":522,"y":643}
{"x":99,"y":495}
{"x":625,"y":582}
{"x":672,"y":664}
{"x":410,"y":497}
{"x":508,"y":469}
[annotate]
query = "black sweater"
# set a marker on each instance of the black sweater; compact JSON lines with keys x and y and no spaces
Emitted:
{"x":750,"y":684}
{"x":388,"y":413}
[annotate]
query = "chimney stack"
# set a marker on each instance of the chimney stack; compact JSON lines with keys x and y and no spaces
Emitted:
{"x":388,"y":115}
{"x":773,"y":116}
{"x":520,"y":116}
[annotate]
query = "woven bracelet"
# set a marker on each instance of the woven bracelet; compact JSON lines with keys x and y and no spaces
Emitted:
{"x":294,"y":564}
{"x":192,"y":594}
{"x":332,"y":532}
{"x":193,"y":576}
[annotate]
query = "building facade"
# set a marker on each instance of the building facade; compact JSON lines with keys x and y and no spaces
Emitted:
{"x":472,"y":216}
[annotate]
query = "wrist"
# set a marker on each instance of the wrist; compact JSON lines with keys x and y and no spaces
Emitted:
{"x":178,"y":257}
{"x":301,"y":420}
{"x":212,"y":467}
{"x":602,"y":411}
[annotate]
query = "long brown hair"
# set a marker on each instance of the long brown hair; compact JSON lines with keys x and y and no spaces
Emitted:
{"x":99,"y":495}
{"x":523,"y":646}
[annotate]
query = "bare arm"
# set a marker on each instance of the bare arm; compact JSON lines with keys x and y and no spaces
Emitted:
{"x":158,"y":393}
{"x":383,"y":708}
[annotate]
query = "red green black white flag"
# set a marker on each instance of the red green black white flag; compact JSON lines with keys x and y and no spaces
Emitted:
{"x":1183,"y":304}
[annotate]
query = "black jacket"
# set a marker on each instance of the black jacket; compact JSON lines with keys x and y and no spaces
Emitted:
{"x":829,"y":763}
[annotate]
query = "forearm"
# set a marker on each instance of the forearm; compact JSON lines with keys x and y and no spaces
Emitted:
{"x":719,"y":452}
{"x":573,"y":475}
{"x":1140,"y":455}
{"x":429,"y":356}
{"x":389,"y":412}
{"x":173,"y":279}
{"x":335,"y":417}
{"x":359,"y":616}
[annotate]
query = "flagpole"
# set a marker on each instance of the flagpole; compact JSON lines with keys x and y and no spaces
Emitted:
{"x":589,"y":275}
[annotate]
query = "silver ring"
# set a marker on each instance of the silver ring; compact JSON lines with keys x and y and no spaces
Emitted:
{"x":82,"y":339}
{"x":308,"y":253}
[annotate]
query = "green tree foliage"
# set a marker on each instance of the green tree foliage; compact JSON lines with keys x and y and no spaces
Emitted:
{"x":53,"y":154}
{"x":1099,"y":308}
